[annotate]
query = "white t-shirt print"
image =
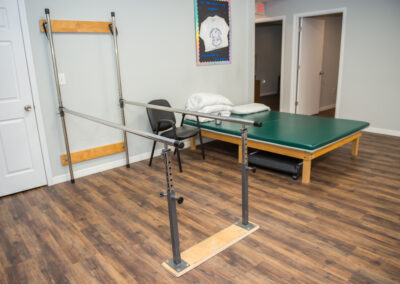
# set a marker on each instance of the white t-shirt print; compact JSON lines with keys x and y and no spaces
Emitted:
{"x":214,"y":33}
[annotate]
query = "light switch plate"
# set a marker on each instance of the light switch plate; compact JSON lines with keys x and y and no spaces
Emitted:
{"x":62,"y":79}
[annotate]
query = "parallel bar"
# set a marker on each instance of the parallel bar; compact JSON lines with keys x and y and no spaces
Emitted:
{"x":195,"y":113}
{"x":144,"y":134}
{"x":245,"y":184}
{"x":114,"y":33}
{"x":60,"y":103}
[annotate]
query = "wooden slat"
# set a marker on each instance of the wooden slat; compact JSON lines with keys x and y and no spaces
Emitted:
{"x":220,"y":136}
{"x":336,"y":145}
{"x":93,"y":153}
{"x":278,"y":149}
{"x":257,"y":145}
{"x":67,"y":26}
{"x":211,"y":246}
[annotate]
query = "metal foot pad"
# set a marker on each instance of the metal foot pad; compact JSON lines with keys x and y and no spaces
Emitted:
{"x":177,"y":267}
{"x":248,"y":227}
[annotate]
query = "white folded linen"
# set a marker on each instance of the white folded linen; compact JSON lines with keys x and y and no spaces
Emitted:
{"x":198,"y":101}
{"x":249,"y":108}
{"x":222,"y":110}
{"x":215,"y":109}
{"x":205,"y":119}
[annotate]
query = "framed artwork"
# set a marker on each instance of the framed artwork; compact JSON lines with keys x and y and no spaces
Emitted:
{"x":213,"y":31}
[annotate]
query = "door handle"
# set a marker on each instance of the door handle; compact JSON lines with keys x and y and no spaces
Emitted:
{"x":28,"y":107}
{"x":321,"y":73}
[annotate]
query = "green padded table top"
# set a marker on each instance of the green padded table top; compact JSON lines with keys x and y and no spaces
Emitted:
{"x":292,"y":130}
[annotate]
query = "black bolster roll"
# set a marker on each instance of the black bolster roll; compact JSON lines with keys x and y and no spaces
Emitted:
{"x":257,"y":123}
{"x":179,"y":144}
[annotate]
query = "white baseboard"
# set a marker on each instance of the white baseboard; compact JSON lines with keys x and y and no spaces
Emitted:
{"x":268,"y":94}
{"x":113,"y":164}
{"x":383,"y":131}
{"x":327,"y":107}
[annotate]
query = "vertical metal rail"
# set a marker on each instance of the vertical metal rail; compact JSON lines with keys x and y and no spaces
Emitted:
{"x":245,"y":181}
{"x":121,"y":99}
{"x":60,"y":103}
{"x":176,"y":262}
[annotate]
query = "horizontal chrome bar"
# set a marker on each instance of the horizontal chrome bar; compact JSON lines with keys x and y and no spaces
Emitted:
{"x":200,"y":114}
{"x":151,"y":136}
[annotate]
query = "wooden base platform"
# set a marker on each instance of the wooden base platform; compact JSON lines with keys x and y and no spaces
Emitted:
{"x":211,"y":246}
{"x":307,"y":157}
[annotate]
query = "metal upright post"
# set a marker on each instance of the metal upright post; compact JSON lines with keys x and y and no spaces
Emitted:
{"x":60,"y":103}
{"x":121,"y":99}
{"x":245,"y":182}
{"x":176,"y":262}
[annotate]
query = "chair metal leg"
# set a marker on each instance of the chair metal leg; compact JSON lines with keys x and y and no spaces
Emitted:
{"x":201,"y":137}
{"x":202,"y":146}
{"x":179,"y":160}
{"x":152,"y":153}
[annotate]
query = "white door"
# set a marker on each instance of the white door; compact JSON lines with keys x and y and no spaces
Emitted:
{"x":310,"y":62}
{"x":21,"y":162}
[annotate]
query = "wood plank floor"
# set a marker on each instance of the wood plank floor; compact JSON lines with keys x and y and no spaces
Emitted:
{"x":112,"y":227}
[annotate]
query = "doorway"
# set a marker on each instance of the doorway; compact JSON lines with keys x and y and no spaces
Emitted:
{"x":318,"y":63}
{"x":268,"y":62}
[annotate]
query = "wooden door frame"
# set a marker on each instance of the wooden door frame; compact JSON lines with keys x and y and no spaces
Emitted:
{"x":275,"y":19}
{"x":34,"y":90}
{"x":295,"y":55}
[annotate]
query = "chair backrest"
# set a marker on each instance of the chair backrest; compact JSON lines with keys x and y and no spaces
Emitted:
{"x":155,"y":115}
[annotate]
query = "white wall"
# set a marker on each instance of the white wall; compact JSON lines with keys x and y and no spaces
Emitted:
{"x":371,"y":86}
{"x":268,"y":44}
{"x":158,"y":60}
{"x":330,"y":60}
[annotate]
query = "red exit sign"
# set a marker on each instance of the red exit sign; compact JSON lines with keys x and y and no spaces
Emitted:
{"x":260,"y":8}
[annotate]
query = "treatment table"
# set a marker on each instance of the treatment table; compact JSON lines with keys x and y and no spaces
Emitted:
{"x":299,"y":136}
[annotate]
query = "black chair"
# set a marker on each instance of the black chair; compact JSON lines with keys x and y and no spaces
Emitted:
{"x":161,"y":120}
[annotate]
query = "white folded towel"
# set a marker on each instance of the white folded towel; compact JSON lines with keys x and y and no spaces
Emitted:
{"x":198,"y":101}
{"x":205,"y":119}
{"x":208,"y":103}
{"x":249,"y":108}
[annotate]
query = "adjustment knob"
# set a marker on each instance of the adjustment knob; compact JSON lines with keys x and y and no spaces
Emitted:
{"x":251,"y":169}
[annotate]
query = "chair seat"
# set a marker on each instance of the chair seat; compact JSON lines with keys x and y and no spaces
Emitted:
{"x":182,"y":132}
